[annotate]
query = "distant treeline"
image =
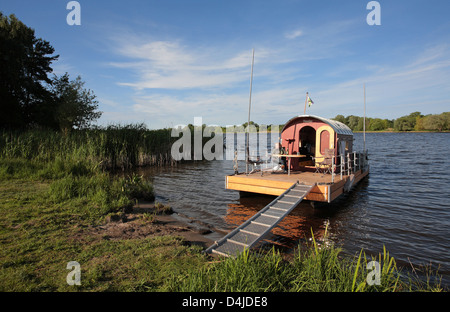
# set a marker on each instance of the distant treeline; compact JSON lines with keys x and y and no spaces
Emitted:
{"x":412,"y":122}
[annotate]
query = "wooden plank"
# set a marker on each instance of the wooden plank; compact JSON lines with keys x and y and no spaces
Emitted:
{"x":259,"y":182}
{"x":338,"y":184}
{"x":320,"y":189}
{"x":360,"y":176}
{"x":316,"y":197}
{"x":271,"y":183}
{"x":336,"y":193}
{"x":255,"y":189}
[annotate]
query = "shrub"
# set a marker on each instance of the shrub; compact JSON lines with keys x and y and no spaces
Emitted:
{"x":136,"y":187}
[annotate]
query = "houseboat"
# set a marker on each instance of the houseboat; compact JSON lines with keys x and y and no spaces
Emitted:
{"x":314,"y":151}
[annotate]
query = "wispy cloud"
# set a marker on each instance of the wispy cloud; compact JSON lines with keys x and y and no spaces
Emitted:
{"x":61,"y":66}
{"x":170,"y":65}
{"x":294,"y":34}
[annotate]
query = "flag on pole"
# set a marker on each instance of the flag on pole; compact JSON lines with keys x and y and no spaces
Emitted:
{"x":310,"y":102}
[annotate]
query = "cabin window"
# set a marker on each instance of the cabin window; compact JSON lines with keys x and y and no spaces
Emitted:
{"x":341,"y":147}
{"x":324,"y":141}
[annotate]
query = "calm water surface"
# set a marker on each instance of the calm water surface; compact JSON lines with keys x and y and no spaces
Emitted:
{"x":404,"y":203}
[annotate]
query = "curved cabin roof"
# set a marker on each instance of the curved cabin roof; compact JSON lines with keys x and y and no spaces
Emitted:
{"x":337,"y":126}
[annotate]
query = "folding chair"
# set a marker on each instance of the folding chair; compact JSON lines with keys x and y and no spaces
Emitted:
{"x":327,"y":161}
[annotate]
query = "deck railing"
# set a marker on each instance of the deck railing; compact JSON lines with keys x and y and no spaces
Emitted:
{"x":340,"y":165}
{"x":348,"y":164}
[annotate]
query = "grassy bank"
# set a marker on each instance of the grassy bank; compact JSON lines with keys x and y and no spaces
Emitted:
{"x":43,"y":210}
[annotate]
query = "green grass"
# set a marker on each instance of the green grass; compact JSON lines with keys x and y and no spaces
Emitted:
{"x":43,"y":207}
{"x":312,"y":270}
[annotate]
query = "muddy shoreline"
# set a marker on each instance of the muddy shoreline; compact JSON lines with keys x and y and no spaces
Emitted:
{"x":144,"y":221}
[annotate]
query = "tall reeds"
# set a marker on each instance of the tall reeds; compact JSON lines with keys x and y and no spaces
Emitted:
{"x":112,"y":147}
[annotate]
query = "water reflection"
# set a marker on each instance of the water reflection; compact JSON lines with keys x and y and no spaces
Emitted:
{"x":298,"y":226}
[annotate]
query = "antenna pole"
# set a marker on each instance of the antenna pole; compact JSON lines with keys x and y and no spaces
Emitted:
{"x":364,"y":127}
{"x":249,"y":107}
{"x":306,"y":100}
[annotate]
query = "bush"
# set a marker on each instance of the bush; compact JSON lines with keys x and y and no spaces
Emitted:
{"x":136,"y":187}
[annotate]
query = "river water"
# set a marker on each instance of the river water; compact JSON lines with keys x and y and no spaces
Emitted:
{"x":404,"y":203}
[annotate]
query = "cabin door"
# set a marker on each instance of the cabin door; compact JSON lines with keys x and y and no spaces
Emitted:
{"x":307,"y":141}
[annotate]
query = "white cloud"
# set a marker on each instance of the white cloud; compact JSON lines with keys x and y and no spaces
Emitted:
{"x":169,"y":65}
{"x":294,"y":34}
{"x":181,"y":109}
{"x":108,"y":102}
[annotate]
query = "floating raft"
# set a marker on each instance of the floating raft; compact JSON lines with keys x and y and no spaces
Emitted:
{"x":325,"y":189}
{"x":251,"y":231}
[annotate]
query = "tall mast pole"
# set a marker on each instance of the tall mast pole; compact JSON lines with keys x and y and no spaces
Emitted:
{"x":364,"y":117}
{"x":249,"y":107}
{"x":306,"y":100}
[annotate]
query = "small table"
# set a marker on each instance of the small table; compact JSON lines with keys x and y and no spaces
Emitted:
{"x":289,"y":159}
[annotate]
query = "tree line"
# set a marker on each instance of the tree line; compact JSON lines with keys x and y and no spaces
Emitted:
{"x":412,"y":122}
{"x":29,"y":96}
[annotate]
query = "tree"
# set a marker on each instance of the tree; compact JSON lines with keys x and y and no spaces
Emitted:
{"x":437,"y":122}
{"x":340,"y":118}
{"x":360,"y":125}
{"x":75,"y":107}
{"x":252,"y":123}
{"x":377,"y":124}
{"x":24,"y":67}
{"x":407,"y":123}
{"x":352,"y":122}
{"x":419,"y":123}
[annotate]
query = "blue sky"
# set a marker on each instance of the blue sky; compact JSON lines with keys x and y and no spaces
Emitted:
{"x":165,"y":62}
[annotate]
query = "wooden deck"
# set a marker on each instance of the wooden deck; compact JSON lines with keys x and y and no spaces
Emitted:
{"x":277,"y":183}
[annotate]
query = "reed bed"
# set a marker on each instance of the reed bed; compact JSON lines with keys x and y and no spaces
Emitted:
{"x":112,"y":147}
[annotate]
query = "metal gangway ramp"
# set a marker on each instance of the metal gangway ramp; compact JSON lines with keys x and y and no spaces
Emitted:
{"x":252,"y":230}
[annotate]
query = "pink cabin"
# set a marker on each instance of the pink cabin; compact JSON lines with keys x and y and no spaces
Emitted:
{"x":310,"y":136}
